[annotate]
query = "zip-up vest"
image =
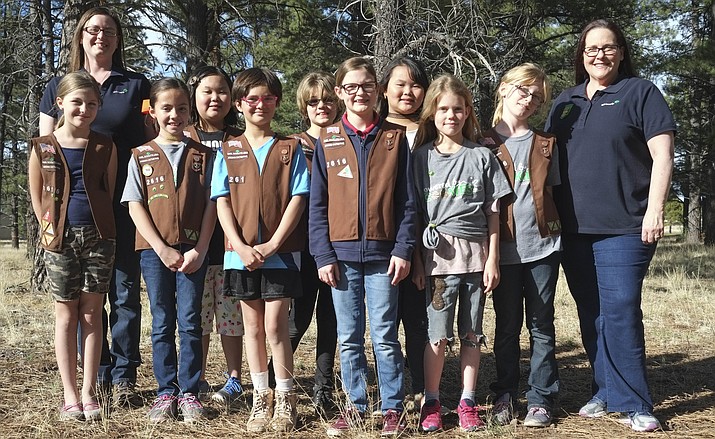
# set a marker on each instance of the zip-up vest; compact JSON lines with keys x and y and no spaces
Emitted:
{"x":56,"y":187}
{"x":306,"y":143}
{"x":176,"y":211}
{"x":260,"y":199}
{"x":343,"y":172}
{"x":547,"y":217}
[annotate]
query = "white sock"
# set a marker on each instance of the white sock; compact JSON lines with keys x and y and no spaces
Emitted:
{"x":260,"y":380}
{"x":284,"y":385}
{"x":468,"y":394}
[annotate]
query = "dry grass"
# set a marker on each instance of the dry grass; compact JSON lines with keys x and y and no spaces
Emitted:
{"x":680,"y":329}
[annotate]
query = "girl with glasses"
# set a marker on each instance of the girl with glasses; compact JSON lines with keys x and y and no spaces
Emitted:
{"x":362,"y":235}
{"x":529,"y":247}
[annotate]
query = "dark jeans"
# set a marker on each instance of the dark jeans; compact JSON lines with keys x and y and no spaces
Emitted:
{"x":413,"y":315}
{"x":121,"y":362}
{"x":531,"y":287}
{"x":301,"y":314}
{"x":175,"y":301}
{"x":605,"y":275}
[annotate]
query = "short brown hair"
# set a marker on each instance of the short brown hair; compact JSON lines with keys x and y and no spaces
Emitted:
{"x":318,"y":84}
{"x":256,"y":77}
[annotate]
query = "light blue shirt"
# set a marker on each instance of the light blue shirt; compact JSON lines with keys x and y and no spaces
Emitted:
{"x":299,"y":183}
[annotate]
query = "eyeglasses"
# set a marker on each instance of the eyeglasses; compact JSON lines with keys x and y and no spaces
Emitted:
{"x":95,"y":30}
{"x":525,"y":93}
{"x":608,"y":50}
{"x":253,"y":101}
{"x":315,"y":101}
{"x":351,"y":89}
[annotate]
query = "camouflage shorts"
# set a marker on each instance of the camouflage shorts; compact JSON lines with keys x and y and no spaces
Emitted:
{"x":84,"y":264}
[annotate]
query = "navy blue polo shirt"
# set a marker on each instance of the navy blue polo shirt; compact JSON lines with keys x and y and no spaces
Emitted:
{"x":119,"y":117}
{"x":603,"y":153}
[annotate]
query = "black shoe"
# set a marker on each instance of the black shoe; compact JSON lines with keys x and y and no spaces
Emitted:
{"x":124,"y":395}
{"x":323,"y":402}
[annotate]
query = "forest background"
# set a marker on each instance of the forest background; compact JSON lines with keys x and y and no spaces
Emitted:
{"x":673,"y":42}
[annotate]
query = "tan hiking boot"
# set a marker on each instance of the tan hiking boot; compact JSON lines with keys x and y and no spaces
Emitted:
{"x":261,"y":412}
{"x":285,"y":413}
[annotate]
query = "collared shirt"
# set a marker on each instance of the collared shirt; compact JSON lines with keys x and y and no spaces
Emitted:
{"x":364,"y":133}
{"x":604,"y":158}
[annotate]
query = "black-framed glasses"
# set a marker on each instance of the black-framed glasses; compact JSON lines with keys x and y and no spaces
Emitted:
{"x":367,"y":87}
{"x":95,"y":30}
{"x":525,"y":93}
{"x":313,"y":102}
{"x":608,"y":50}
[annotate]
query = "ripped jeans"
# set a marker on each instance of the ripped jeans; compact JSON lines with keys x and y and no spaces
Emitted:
{"x":442,"y":293}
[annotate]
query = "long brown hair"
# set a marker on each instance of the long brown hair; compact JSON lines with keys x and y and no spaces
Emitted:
{"x":427,"y":131}
{"x":77,"y":54}
{"x":625,"y":67}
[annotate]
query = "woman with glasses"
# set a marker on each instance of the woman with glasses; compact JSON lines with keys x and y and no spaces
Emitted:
{"x":361,"y":230}
{"x":615,"y":136}
{"x":98,"y":48}
{"x":320,"y":107}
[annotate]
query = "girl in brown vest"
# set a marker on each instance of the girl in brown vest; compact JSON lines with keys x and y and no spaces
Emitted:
{"x":362,"y":235}
{"x":403,"y":87}
{"x":529,"y":248}
{"x":319,"y":107}
{"x":167,"y":193}
{"x":72,"y":174}
{"x":212,"y":119}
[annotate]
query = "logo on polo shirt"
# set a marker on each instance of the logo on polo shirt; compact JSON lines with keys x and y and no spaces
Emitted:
{"x":567,"y":109}
{"x":609,"y":104}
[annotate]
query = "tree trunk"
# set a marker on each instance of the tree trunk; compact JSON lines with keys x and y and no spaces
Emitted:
{"x":34,"y":250}
{"x":388,"y":39}
{"x":196,"y":34}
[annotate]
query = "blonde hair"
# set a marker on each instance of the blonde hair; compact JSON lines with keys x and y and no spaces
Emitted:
{"x":318,"y":84}
{"x":354,"y":63}
{"x":427,"y":131}
{"x":74,"y":81}
{"x":525,"y":74}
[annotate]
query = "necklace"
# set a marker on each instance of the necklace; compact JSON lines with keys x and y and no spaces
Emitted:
{"x":411,"y":117}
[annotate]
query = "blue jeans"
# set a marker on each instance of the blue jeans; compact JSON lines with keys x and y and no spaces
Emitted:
{"x":174,"y":297}
{"x":605,"y":275}
{"x":532,"y":286}
{"x":120,"y":363}
{"x":360,"y":284}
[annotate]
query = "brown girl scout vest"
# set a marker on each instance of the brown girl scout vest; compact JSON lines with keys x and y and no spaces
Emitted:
{"x":344,"y":183}
{"x":56,"y":187}
{"x":259,"y":200}
{"x":547,"y":217}
{"x":176,"y":211}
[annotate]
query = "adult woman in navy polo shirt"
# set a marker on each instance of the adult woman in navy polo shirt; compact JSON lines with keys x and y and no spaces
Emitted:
{"x":615,"y":137}
{"x":97,"y":47}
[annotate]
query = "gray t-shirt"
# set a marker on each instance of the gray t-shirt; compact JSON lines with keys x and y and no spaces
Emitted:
{"x":453,"y":190}
{"x":528,"y":246}
{"x":173,"y":152}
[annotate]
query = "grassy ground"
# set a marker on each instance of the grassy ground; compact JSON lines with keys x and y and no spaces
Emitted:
{"x":679,"y":317}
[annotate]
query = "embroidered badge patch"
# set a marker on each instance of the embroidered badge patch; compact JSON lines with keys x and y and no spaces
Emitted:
{"x":566,"y":111}
{"x":333,"y":130}
{"x":198,"y":163}
{"x":192,"y":234}
{"x":44,"y":147}
{"x":346,"y":172}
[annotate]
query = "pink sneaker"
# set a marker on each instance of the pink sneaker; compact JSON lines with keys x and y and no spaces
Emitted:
{"x":469,"y":418}
{"x":431,"y":416}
